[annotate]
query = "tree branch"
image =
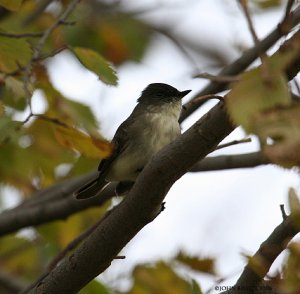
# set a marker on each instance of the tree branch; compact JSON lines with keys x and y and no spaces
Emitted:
{"x":223,"y":162}
{"x":143,"y":203}
{"x":57,"y":202}
{"x":243,"y":62}
{"x":268,"y":251}
{"x":141,"y":206}
{"x":19,"y":217}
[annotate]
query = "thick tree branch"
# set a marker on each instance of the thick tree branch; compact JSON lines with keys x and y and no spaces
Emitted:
{"x":141,"y":205}
{"x":223,"y":162}
{"x":57,"y":202}
{"x":268,"y":251}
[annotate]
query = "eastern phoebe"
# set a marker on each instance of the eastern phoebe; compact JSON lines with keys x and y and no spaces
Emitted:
{"x":152,"y":125}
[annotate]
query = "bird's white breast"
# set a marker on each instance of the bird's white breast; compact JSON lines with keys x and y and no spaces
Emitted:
{"x":153,"y":130}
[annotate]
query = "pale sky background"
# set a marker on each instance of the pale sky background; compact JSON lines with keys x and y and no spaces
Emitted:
{"x":215,"y":214}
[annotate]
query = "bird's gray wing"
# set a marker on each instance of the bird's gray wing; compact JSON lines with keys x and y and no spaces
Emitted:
{"x":120,"y":142}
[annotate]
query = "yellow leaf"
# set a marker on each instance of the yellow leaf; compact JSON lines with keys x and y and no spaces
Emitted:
{"x":13,"y":54}
{"x":83,"y":143}
{"x":13,"y":5}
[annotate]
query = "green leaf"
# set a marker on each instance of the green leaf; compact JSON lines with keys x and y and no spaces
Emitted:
{"x":195,"y":288}
{"x":81,"y":114}
{"x":263,"y":88}
{"x":290,"y":283}
{"x":2,"y":110}
{"x":13,"y":5}
{"x":95,"y":287}
{"x":19,"y":257}
{"x":13,"y":54}
{"x":282,"y":125}
{"x":97,"y":64}
{"x":8,"y":128}
{"x":158,"y":279}
{"x":14,"y":93}
{"x":294,"y":202}
{"x":258,"y":89}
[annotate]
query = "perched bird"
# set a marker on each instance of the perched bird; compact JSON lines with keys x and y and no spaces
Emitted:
{"x":152,"y":124}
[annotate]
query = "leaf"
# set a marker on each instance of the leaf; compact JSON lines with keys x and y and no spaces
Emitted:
{"x":2,"y":110}
{"x":195,"y":287}
{"x":258,"y":264}
{"x":79,"y":114}
{"x":13,"y":53}
{"x":83,"y":143}
{"x":95,"y":287}
{"x":97,"y":64}
{"x":8,"y":128}
{"x":119,"y":38}
{"x":19,"y":257}
{"x":294,"y":202}
{"x":13,"y":5}
{"x":263,"y":88}
{"x":290,"y":283}
{"x":258,"y":89}
{"x":158,"y":279}
{"x":205,"y":265}
{"x":265,"y":4}
{"x":294,"y":205}
{"x":282,"y":126}
{"x":14,"y":93}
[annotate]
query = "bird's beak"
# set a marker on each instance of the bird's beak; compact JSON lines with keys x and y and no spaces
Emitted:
{"x":184,"y":93}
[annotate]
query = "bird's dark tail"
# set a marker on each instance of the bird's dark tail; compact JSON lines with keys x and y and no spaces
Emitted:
{"x":90,"y":189}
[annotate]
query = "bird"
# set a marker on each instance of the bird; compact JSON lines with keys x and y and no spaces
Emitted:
{"x":152,"y":125}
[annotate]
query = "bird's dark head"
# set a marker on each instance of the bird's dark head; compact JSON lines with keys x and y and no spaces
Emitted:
{"x":161,"y":93}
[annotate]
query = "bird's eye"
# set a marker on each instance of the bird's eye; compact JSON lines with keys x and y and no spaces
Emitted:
{"x":159,"y":94}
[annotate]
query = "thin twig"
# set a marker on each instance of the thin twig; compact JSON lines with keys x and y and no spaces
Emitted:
{"x":201,"y":99}
{"x":37,"y":51}
{"x":47,"y":33}
{"x":244,"y":5}
{"x":235,"y":142}
{"x":22,"y":35}
{"x":226,"y":79}
{"x":51,"y":119}
{"x":288,"y":9}
{"x":283,"y":213}
{"x":46,"y":118}
{"x":41,"y":6}
{"x":51,"y":54}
